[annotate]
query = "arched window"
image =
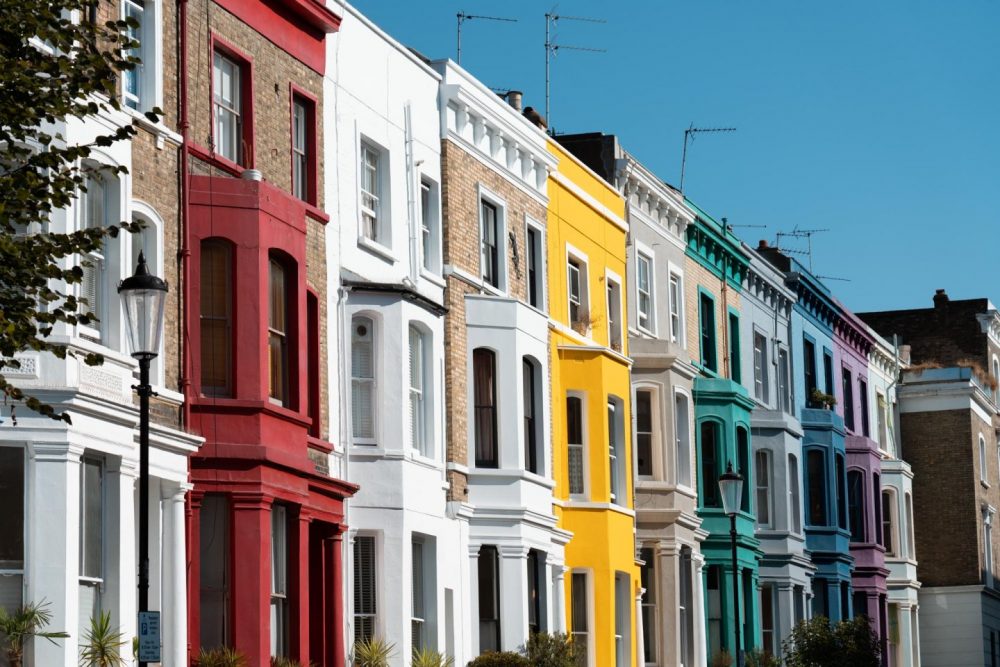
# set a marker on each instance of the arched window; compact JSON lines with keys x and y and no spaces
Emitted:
{"x":532,"y":407}
{"x":216,"y":317}
{"x":877,"y":507}
{"x":816,"y":471}
{"x":644,"y":432}
{"x":794,"y":499}
{"x":762,"y":487}
{"x":889,"y":530}
{"x":709,"y":477}
{"x":363,"y":385}
{"x":420,"y":396}
{"x":278,"y":321}
{"x":856,"y":505}
{"x":484,"y":372}
{"x":682,"y":439}
{"x":148,"y":240}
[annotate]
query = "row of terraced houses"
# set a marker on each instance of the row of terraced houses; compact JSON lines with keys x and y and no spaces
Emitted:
{"x":434,"y":375}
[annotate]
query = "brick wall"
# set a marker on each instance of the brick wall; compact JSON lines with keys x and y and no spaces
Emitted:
{"x":696,"y":275}
{"x":942,"y":450}
{"x":316,"y":281}
{"x":461,"y":175}
{"x":273,"y":71}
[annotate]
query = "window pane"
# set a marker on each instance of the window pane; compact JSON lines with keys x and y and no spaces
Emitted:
{"x":216,"y":295}
{"x":363,"y":378}
{"x":12,"y":516}
{"x":91,"y":519}
{"x":574,"y":432}
{"x":365,"y":607}
{"x":644,"y":432}
{"x":762,"y":470}
{"x":817,"y":488}
{"x":214,"y":569}
{"x":484,"y":390}
{"x":491,"y":241}
{"x":709,"y":465}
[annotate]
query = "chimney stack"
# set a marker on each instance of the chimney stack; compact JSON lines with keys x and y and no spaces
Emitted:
{"x":940,"y":299}
{"x":514,"y":98}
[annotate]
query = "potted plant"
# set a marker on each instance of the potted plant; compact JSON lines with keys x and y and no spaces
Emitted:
{"x":26,"y":622}
{"x":101,"y":645}
{"x":821,"y":399}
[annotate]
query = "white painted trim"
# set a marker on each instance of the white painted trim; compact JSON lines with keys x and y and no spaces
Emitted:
{"x":590,"y":201}
{"x":484,"y":193}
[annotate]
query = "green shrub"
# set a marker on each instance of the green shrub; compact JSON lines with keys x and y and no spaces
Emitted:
{"x":545,"y":650}
{"x":819,"y":643}
{"x":500,"y":659}
{"x":760,"y":658}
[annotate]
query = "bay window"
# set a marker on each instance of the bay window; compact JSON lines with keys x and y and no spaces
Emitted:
{"x":489,"y":599}
{"x":365,"y":591}
{"x":279,"y":580}
{"x":575,"y":446}
{"x":216,"y":318}
{"x":644,"y":293}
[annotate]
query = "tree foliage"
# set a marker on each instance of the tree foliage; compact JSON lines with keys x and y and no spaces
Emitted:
{"x":819,"y":643}
{"x":56,"y":63}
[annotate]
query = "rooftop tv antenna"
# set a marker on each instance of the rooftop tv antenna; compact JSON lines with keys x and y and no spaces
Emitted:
{"x":551,"y":48}
{"x":806,"y":234}
{"x":689,"y":134}
{"x":463,"y":17}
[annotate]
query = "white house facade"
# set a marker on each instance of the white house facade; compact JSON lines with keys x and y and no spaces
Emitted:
{"x":406,"y":575}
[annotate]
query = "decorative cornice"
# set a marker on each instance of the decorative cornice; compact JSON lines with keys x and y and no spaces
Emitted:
{"x":851,"y":330}
{"x":715,"y":247}
{"x":989,"y":322}
{"x":477,"y":118}
{"x":656,"y":201}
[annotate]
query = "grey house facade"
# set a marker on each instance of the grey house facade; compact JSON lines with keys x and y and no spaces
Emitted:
{"x":776,"y":435}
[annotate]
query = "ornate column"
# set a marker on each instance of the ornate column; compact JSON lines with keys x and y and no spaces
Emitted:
{"x":668,"y":602}
{"x":473,"y":647}
{"x":120,"y":557}
{"x":298,"y":577}
{"x":337,"y":597}
{"x":701,"y":647}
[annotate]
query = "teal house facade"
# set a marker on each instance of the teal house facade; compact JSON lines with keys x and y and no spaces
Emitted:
{"x":716,"y":267}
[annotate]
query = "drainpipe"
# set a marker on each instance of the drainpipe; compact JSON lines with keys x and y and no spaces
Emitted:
{"x":895,"y":406}
{"x":184,"y":252}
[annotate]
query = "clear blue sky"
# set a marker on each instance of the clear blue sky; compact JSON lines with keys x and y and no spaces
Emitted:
{"x":876,"y":119}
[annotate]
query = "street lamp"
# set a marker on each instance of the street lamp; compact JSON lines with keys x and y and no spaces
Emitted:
{"x":143,"y":295}
{"x":731,"y":487}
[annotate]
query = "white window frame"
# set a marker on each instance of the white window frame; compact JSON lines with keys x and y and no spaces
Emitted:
{"x":588,"y":578}
{"x":419,"y":617}
{"x":430,"y":226}
{"x":683,"y":446}
{"x":988,"y":512}
{"x":97,"y":582}
{"x":616,"y":334}
{"x":152,"y":234}
{"x":617,"y":481}
{"x":645,"y":255}
{"x":794,"y":494}
{"x":764,"y":486}
{"x":376,"y":542}
{"x":19,"y":572}
{"x":984,"y":475}
{"x":675,"y":307}
{"x":150,"y":71}
{"x":894,"y":548}
{"x":500,"y":204}
{"x":373,"y":381}
{"x":582,"y":446}
{"x":584,"y":310}
{"x":542,"y":270}
{"x":233,"y":111}
{"x":374,"y":214}
{"x":786,"y":393}
{"x":279,"y":581}
{"x":300,"y":148}
{"x":761,"y":384}
{"x":99,"y":259}
{"x":421,"y":397}
{"x":911,"y":553}
{"x":650,"y":606}
{"x":654,"y":430}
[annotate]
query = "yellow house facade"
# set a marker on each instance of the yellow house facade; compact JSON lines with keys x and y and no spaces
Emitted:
{"x":591,"y":410}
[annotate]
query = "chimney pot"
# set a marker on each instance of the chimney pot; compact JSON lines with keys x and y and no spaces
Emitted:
{"x":762,"y":244}
{"x":514,"y":98}
{"x":940,"y":298}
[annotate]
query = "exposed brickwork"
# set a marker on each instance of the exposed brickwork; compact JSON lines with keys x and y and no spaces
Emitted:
{"x":316,"y":281}
{"x":273,"y":71}
{"x":725,"y":296}
{"x":462,"y":175}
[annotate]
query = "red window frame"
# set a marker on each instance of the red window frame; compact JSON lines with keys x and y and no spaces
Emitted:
{"x":310,"y":102}
{"x":245,"y":61}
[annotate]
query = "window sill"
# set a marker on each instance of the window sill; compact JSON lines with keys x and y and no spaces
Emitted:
{"x":216,"y":160}
{"x":377,"y":248}
{"x":433,"y":278}
{"x":159,"y":130}
{"x":316,"y":213}
{"x":496,"y":291}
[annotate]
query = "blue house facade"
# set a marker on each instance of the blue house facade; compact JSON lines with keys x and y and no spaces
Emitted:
{"x":824,"y":455}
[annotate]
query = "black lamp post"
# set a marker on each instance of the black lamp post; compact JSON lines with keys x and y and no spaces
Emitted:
{"x":144,"y":296}
{"x":731,"y":486}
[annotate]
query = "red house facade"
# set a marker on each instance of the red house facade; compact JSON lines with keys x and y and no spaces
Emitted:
{"x":265,"y":518}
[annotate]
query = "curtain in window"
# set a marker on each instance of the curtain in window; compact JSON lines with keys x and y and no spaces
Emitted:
{"x":216,"y":318}
{"x":484,"y":390}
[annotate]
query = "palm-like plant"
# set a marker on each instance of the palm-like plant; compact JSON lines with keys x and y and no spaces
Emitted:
{"x":221,"y":657}
{"x":26,"y":622}
{"x":372,"y":652}
{"x":102,"y":644}
{"x":428,"y":658}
